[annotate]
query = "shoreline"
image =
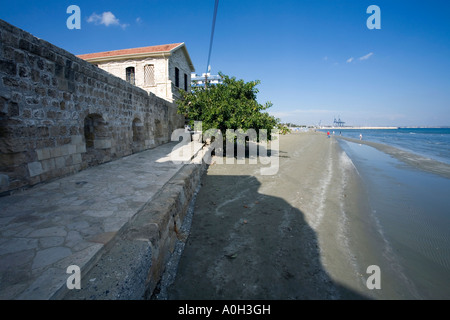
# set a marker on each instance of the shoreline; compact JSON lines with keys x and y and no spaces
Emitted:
{"x":413,"y":159}
{"x":312,"y":230}
{"x":408,"y":205}
{"x":301,"y":234}
{"x":358,"y":128}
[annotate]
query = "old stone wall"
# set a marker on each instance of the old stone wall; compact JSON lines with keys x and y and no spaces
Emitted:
{"x":60,"y":114}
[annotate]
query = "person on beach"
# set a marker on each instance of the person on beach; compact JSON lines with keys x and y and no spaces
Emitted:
{"x":360,"y":136}
{"x":328,"y":134}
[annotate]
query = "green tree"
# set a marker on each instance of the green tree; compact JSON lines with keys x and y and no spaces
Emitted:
{"x":229,"y":105}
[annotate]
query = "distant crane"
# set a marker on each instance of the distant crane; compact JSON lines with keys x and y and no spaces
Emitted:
{"x":338,"y":123}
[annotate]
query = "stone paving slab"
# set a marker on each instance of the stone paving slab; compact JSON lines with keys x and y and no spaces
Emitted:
{"x":71,"y":221}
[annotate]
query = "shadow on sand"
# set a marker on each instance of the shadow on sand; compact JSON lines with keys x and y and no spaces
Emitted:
{"x":247,"y":245}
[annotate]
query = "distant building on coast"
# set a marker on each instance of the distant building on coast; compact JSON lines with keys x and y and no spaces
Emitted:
{"x":199,"y":81}
{"x":161,"y":69}
{"x":338,"y":122}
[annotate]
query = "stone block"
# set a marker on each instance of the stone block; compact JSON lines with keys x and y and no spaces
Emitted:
{"x":150,"y":143}
{"x":13,"y":145}
{"x":56,"y":152}
{"x":12,"y":159}
{"x":13,"y":109}
{"x":35,"y":168}
{"x":76,"y":158}
{"x":81,"y":148}
{"x":8,"y":67}
{"x":77,"y":139}
{"x":69,"y":161}
{"x":64,"y":150}
{"x":72,"y":149}
{"x":60,"y":162}
{"x":102,"y":144}
{"x":43,"y":154}
{"x":48,"y":165}
{"x":11,"y":82}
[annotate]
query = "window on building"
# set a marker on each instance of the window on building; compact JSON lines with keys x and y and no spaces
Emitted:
{"x":185,"y":82}
{"x":130,"y":75}
{"x":149,"y":75}
{"x":177,"y":77}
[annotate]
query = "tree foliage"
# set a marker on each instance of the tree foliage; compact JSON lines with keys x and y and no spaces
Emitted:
{"x":231,"y":104}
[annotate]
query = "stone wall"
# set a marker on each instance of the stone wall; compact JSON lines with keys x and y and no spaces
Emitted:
{"x":60,"y":114}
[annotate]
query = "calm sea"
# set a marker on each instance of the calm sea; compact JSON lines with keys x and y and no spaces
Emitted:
{"x":410,"y":207}
{"x":429,"y":142}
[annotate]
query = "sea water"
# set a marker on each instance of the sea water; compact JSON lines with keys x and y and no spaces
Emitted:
{"x":430,"y":142}
{"x":410,"y":207}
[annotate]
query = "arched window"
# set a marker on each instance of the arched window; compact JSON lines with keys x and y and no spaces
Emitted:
{"x":130,"y":75}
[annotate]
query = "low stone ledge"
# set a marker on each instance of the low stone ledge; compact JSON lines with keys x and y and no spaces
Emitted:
{"x":135,"y":261}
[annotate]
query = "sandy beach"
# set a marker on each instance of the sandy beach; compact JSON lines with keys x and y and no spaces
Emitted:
{"x":304,"y":233}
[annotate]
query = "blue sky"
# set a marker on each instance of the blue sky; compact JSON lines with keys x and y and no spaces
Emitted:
{"x":316,"y":59}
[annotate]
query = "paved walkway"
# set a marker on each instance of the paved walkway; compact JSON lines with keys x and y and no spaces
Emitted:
{"x":70,"y":221}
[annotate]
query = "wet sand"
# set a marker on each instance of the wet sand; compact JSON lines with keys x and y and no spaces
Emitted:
{"x":304,"y":233}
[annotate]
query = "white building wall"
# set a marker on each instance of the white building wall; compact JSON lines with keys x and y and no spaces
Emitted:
{"x":164,"y":71}
{"x":178,"y":59}
{"x":162,"y":84}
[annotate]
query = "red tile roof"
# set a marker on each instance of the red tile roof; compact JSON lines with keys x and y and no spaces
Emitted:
{"x":142,"y":50}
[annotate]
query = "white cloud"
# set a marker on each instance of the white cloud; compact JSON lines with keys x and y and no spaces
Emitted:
{"x":138,"y":20}
{"x":106,"y":18}
{"x":350,"y":59}
{"x":367,"y":56}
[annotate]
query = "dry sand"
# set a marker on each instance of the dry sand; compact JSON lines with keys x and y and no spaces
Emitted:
{"x":304,"y":233}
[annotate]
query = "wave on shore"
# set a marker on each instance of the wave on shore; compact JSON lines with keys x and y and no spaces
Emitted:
{"x":414,"y":160}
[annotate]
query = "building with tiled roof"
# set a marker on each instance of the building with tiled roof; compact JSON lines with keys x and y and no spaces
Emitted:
{"x":161,"y":69}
